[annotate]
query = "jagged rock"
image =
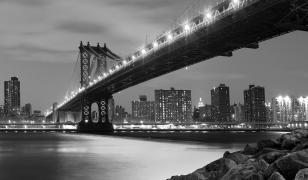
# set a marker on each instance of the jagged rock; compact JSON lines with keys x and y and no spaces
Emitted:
{"x":301,"y":146}
{"x":250,"y":149}
{"x":290,"y":164}
{"x":262,"y":165}
{"x":272,"y":156}
{"x":289,"y":141}
{"x":302,"y":174}
{"x":300,"y":133}
{"x":236,"y":157}
{"x":214,"y":170}
{"x":246,"y":171}
{"x":276,"y":176}
{"x":269,"y":143}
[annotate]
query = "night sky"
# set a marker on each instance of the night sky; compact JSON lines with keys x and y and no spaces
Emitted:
{"x":39,"y":42}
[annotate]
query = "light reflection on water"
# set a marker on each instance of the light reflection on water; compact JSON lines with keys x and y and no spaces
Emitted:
{"x":79,"y":157}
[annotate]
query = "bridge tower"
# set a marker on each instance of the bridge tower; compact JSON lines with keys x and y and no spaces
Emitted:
{"x":89,"y":57}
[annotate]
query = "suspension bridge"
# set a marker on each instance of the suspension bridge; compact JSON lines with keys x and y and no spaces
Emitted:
{"x":218,"y":31}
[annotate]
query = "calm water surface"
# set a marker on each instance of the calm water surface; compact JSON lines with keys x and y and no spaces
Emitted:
{"x":55,"y":156}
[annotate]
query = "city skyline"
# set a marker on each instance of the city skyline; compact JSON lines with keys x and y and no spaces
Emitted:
{"x":46,"y":65}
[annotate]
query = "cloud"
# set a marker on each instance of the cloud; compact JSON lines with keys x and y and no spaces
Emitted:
{"x":36,"y":3}
{"x":82,"y":27}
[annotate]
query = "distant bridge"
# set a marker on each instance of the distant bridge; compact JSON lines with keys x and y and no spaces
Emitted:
{"x":229,"y":26}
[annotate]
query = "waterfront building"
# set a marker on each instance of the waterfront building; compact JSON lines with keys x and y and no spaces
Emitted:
{"x":206,"y":113}
{"x":27,"y":110}
{"x":290,"y":109}
{"x":196,"y":114}
{"x":143,"y":110}
{"x":173,"y":106}
{"x":12,"y":96}
{"x":220,"y":101}
{"x":254,"y":102}
{"x":120,"y":114}
{"x":238,"y":112}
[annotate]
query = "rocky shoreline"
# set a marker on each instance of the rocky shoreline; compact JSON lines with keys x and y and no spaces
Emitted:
{"x":285,"y":158}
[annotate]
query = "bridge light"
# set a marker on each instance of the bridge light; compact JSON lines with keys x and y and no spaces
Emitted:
{"x":169,"y":37}
{"x":110,"y":70}
{"x":133,"y":57}
{"x":155,"y":44}
{"x":117,"y":67}
{"x":143,"y":51}
{"x":124,"y":62}
{"x":104,"y":74}
{"x":186,"y":27}
{"x":236,"y":2}
{"x":209,"y":16}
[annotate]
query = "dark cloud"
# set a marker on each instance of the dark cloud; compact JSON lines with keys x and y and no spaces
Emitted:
{"x":32,"y":49}
{"x":28,"y":2}
{"x":82,"y":27}
{"x":146,"y":4}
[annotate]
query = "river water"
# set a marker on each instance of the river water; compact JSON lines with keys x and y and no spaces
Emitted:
{"x":57,"y":156}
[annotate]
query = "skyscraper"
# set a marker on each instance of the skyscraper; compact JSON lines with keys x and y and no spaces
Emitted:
{"x":254,"y":102}
{"x":220,"y":100}
{"x":143,"y":110}
{"x":173,"y":105}
{"x":11,"y":96}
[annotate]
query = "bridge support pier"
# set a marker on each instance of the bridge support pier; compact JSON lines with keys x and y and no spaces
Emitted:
{"x":104,"y":124}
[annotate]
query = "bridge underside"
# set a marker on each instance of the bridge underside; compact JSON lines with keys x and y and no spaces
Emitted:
{"x":245,"y":28}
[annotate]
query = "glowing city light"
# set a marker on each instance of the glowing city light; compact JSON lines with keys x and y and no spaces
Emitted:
{"x":133,"y":57}
{"x":124,"y":62}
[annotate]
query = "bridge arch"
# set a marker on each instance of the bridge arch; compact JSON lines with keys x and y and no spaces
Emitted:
{"x":94,"y":112}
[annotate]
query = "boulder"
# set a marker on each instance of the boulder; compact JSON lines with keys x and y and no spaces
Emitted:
{"x":269,"y":143}
{"x":290,"y":164}
{"x":288,"y":141}
{"x":300,"y":133}
{"x":214,"y":170}
{"x":236,"y":157}
{"x":302,"y":174}
{"x":262,"y":165}
{"x":250,"y":149}
{"x":270,"y":157}
{"x":243,"y":172}
{"x":302,"y":145}
{"x":276,"y":176}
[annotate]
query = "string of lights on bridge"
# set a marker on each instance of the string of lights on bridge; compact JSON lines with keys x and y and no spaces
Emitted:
{"x":208,"y":17}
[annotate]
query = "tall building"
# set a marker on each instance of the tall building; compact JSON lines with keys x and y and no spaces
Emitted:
{"x":206,"y":113}
{"x":143,"y":110}
{"x":120,"y":114}
{"x":254,"y":102}
{"x":27,"y":109}
{"x":238,"y":112}
{"x":173,"y":105}
{"x":12,"y":96}
{"x":220,"y":100}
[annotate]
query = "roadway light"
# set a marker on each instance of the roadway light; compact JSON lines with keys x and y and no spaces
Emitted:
{"x":236,"y":1}
{"x":143,"y":51}
{"x":186,"y":27}
{"x":169,"y":37}
{"x":155,"y":44}
{"x":209,"y":15}
{"x":133,"y":57}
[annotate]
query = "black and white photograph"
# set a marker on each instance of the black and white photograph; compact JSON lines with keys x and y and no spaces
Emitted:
{"x":154,"y":90}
